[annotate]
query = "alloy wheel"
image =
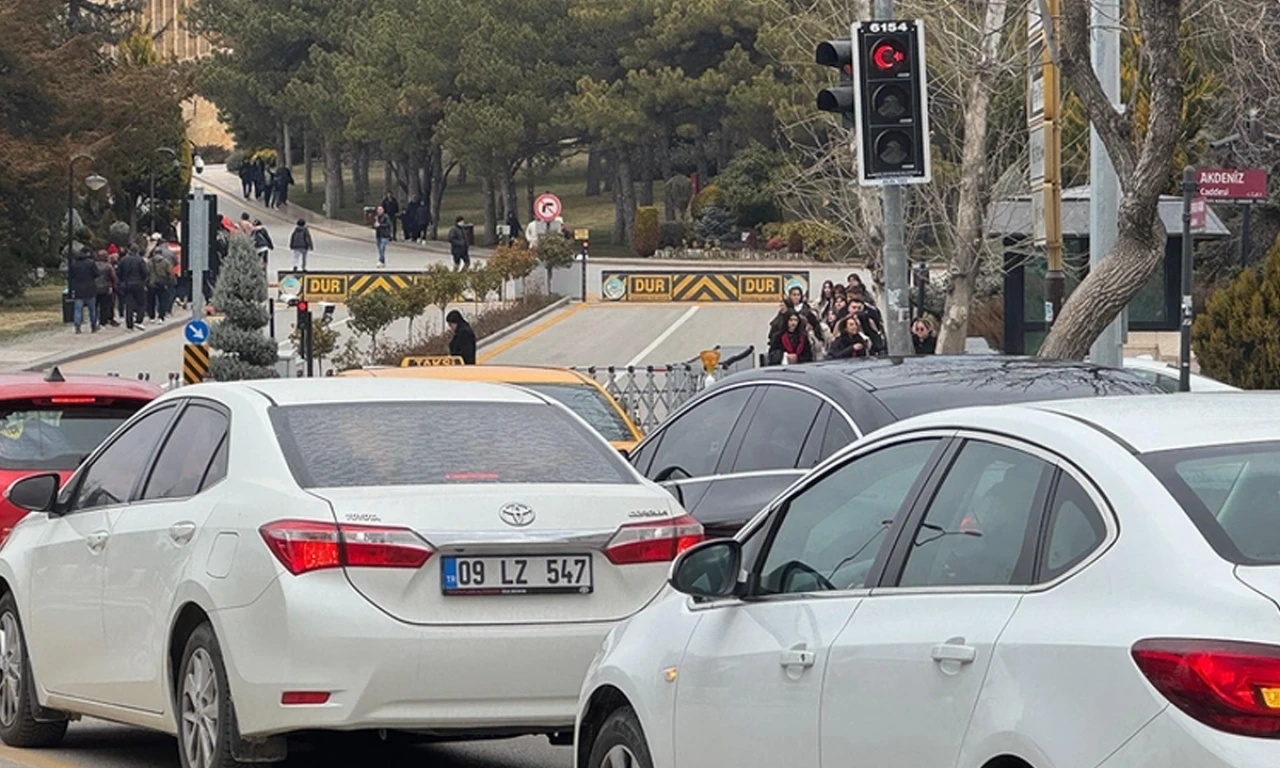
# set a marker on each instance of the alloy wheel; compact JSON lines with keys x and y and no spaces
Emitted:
{"x":619,"y":757}
{"x":10,"y":669}
{"x":200,"y":710}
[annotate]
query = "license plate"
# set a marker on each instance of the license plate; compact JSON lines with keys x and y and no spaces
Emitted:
{"x":516,"y":575}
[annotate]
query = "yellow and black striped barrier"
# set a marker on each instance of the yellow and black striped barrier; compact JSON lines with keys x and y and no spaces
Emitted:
{"x":700,"y":286}
{"x":341,"y":286}
{"x":195,"y":363}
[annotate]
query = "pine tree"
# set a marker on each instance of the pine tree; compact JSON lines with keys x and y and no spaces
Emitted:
{"x":241,"y":296}
{"x":1237,"y":337}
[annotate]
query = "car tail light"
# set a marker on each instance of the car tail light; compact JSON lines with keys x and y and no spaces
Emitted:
{"x":653,"y":542}
{"x":303,"y":545}
{"x":70,"y":400}
{"x":1231,"y":686}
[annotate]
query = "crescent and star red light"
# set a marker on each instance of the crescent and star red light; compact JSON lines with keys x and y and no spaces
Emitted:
{"x":888,"y":56}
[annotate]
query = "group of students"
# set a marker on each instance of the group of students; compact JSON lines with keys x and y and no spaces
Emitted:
{"x":845,"y":324}
{"x":134,"y":285}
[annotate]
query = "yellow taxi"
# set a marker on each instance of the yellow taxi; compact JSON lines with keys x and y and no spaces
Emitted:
{"x":579,"y":393}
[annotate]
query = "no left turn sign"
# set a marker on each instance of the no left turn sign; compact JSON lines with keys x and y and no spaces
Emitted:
{"x":546,"y":207}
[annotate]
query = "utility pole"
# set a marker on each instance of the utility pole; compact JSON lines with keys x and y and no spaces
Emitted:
{"x":894,"y":257}
{"x":1044,"y":108}
{"x":1104,"y":185}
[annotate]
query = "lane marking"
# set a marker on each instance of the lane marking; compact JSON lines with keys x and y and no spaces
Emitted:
{"x":489,"y":354}
{"x":671,"y":329}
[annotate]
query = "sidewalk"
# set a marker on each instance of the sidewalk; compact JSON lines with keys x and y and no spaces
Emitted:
{"x":44,"y":350}
{"x":227,"y":184}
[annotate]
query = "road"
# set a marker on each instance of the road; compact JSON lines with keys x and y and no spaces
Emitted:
{"x":95,"y":744}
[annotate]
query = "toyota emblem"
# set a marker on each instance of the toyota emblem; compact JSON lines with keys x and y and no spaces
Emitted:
{"x":518,"y":515}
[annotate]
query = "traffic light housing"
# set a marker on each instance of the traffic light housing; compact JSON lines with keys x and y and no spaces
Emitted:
{"x":891,"y":103}
{"x":840,"y":99}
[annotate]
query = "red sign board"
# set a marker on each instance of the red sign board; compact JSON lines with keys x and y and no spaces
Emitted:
{"x":1232,"y":183}
{"x":1199,"y":213}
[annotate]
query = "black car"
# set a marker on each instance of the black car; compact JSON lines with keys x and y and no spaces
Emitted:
{"x":736,"y":446}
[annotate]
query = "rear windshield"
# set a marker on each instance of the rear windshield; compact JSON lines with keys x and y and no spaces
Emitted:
{"x":592,"y":405}
{"x":1232,"y":494}
{"x":344,"y":445}
{"x":37,"y":436}
{"x":1017,"y":386}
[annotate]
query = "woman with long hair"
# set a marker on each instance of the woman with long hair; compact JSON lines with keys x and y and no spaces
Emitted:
{"x":793,"y":340}
{"x":850,"y":342}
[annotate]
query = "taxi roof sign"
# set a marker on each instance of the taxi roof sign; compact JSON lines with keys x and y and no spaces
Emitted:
{"x":426,"y":362}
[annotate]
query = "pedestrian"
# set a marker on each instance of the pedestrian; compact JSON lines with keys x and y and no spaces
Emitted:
{"x":382,"y":233}
{"x":159,"y":279}
{"x":246,"y":179}
{"x":459,"y":245}
{"x":793,"y":341}
{"x":246,"y":223}
{"x":392,"y":208}
{"x":422,"y":220}
{"x":105,"y":285}
{"x":463,"y":342}
{"x":284,"y":180}
{"x":300,"y":243}
{"x":262,"y":242}
{"x":849,"y":340}
{"x":259,"y":177}
{"x":132,"y":275}
{"x":513,"y":226}
{"x":407,"y":219}
{"x":83,"y":279}
{"x":924,"y":338}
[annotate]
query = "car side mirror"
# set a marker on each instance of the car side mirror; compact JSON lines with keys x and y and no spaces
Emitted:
{"x":626,"y":454}
{"x":708,"y":570}
{"x":35,"y":493}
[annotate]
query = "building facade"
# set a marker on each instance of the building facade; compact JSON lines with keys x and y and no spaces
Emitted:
{"x":174,"y":41}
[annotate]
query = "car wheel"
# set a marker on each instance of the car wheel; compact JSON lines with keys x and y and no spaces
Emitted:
{"x":18,"y":725}
{"x":206,"y":719}
{"x":620,"y":743}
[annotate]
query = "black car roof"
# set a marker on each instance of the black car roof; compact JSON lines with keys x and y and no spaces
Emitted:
{"x":909,"y":386}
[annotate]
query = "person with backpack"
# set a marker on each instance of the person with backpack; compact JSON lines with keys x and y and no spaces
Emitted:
{"x":301,"y":244}
{"x":262,"y":242}
{"x":159,"y":279}
{"x":105,"y":285}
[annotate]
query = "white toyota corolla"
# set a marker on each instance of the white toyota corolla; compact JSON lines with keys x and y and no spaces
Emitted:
{"x":1078,"y":584}
{"x":241,"y":561}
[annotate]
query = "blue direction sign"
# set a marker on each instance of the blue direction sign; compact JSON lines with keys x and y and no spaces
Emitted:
{"x":197,"y":332}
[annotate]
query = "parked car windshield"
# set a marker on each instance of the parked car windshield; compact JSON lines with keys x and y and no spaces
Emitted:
{"x":55,"y":437}
{"x":591,"y":404}
{"x":1232,"y":494}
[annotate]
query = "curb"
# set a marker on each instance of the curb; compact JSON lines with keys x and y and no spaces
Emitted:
{"x":120,"y":343}
{"x":520,"y":325}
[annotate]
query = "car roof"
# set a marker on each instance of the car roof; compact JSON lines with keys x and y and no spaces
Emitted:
{"x":1152,"y":423}
{"x":508,"y":374}
{"x":332,"y":389}
{"x":1158,"y":366}
{"x":30,"y":384}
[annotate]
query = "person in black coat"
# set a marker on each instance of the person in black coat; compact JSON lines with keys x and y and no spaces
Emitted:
{"x":463,"y":343}
{"x":131,"y":276}
{"x":84,"y":288}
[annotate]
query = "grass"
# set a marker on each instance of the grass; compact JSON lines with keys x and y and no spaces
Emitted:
{"x":38,"y":309}
{"x":568,"y":181}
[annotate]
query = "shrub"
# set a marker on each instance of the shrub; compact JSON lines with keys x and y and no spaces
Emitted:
{"x":679,"y":192}
{"x":443,"y":286}
{"x":212,"y":153}
{"x":371,"y":312}
{"x":795,"y":241}
{"x":411,"y":302}
{"x":819,"y":239}
{"x":513,"y":262}
{"x":554,"y":253}
{"x":648,"y":231}
{"x":672,"y":234}
{"x":774,"y":243}
{"x":484,"y":281}
{"x":484,"y":324}
{"x":749,"y":188}
{"x":235,"y":160}
{"x":119,"y":234}
{"x":266,"y":155}
{"x":241,"y":296}
{"x":715,"y":224}
{"x":710,"y":195}
{"x":1236,"y":338}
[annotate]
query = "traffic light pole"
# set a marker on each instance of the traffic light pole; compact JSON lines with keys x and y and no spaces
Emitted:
{"x":897,"y":314}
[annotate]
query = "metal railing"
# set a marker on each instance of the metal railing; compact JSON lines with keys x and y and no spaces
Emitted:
{"x":651,"y":393}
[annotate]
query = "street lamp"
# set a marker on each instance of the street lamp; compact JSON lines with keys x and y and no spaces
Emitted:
{"x":151,"y":201}
{"x":94,"y":182}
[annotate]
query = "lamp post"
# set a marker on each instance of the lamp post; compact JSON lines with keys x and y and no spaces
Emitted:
{"x":151,"y":201}
{"x":94,"y":182}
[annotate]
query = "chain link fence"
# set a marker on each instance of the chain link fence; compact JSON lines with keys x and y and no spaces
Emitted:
{"x":649,"y":394}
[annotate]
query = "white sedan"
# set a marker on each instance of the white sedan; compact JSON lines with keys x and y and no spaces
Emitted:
{"x":243,"y":561}
{"x":1079,"y":583}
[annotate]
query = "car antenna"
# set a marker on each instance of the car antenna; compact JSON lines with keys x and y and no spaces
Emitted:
{"x":55,"y":375}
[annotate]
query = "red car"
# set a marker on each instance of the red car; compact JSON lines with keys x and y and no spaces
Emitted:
{"x":51,"y":422}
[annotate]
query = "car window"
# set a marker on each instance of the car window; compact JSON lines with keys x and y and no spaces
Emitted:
{"x":695,"y":440}
{"x":811,"y":453}
{"x":184,"y":459}
{"x":369,"y":444}
{"x":52,"y":434}
{"x":777,"y":430}
{"x":831,"y":532}
{"x":1076,"y":528}
{"x":976,"y":531}
{"x":217,"y":470}
{"x":111,"y":477}
{"x":1164,"y":382}
{"x":592,"y":405}
{"x":839,"y":436}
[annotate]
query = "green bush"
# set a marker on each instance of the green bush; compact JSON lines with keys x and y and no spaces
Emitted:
{"x":715,"y":224}
{"x":679,"y":192}
{"x":1237,"y":337}
{"x":749,"y":186}
{"x":819,"y":239}
{"x":214,"y":154}
{"x":711,"y":195}
{"x":371,"y":312}
{"x":795,"y":241}
{"x":555,"y":253}
{"x":672,"y":234}
{"x":485,"y":323}
{"x":648,"y":231}
{"x":235,"y":160}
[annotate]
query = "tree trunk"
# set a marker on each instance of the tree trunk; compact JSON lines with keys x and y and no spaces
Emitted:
{"x":287,"y":161}
{"x":593,"y":175}
{"x":388,"y":174}
{"x":439,"y":182}
{"x":700,"y":154}
{"x":359,"y":174}
{"x":624,"y":201}
{"x":966,"y":248}
{"x":665,"y":162}
{"x":646,"y":175}
{"x":462,"y":175}
{"x":342,"y":184}
{"x":490,"y":210}
{"x":412,"y":166}
{"x":608,"y":172}
{"x":332,"y":176}
{"x":308,"y":152}
{"x":530,"y":187}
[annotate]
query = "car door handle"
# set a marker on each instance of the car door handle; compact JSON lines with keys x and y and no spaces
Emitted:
{"x":181,"y":533}
{"x":96,"y":541}
{"x":797,"y":657}
{"x":964,"y":654}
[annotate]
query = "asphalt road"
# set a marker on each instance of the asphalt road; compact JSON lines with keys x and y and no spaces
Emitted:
{"x":95,"y":744}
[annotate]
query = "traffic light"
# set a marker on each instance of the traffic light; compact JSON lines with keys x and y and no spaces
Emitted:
{"x":891,"y":102}
{"x":838,"y":54}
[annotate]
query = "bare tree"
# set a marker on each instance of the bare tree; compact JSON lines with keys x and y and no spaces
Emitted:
{"x":1142,"y":167}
